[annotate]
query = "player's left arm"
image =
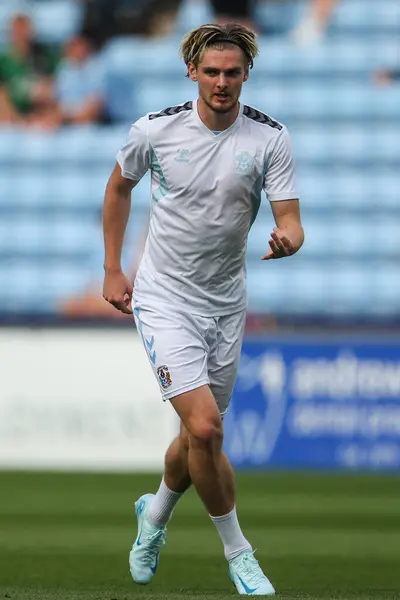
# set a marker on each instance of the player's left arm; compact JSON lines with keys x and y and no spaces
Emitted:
{"x":288,"y":235}
{"x":279,"y":184}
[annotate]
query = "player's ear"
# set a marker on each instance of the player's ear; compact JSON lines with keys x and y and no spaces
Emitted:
{"x":192,"y":71}
{"x":246,"y":75}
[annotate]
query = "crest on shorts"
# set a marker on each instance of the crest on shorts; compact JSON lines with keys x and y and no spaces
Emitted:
{"x":164,"y":376}
{"x":244,"y":162}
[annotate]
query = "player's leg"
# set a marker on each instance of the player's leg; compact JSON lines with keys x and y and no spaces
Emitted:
{"x":244,"y":569}
{"x":176,"y":471}
{"x":177,"y":477}
{"x":154,"y":511}
{"x":177,"y":352}
{"x":199,"y":413}
{"x":213,"y":478}
{"x":209,"y":467}
{"x":176,"y":480}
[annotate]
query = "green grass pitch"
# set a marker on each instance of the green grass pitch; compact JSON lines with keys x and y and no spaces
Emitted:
{"x":67,"y":537}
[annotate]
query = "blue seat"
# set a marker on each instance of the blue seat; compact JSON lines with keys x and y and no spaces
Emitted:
{"x":347,"y":145}
{"x":77,"y":190}
{"x":80,"y":145}
{"x":192,"y":14}
{"x":21,"y":236}
{"x":300,"y":287}
{"x":73,"y":236}
{"x":137,"y":57}
{"x":385,"y":289}
{"x":88,"y":145}
{"x":5,"y":235}
{"x":10,"y":146}
{"x":26,"y":147}
{"x":7,"y":191}
{"x":34,"y":236}
{"x":312,"y":101}
{"x":290,"y":287}
{"x":342,"y":189}
{"x":352,"y":15}
{"x":343,"y":239}
{"x":23,"y":285}
{"x":275,"y":16}
{"x":7,"y":10}
{"x":64,"y":279}
{"x":35,"y":287}
{"x":32,"y":188}
{"x":341,"y":57}
{"x":56,"y":21}
{"x":153,"y":98}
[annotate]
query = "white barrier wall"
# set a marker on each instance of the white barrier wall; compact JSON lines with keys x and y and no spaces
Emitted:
{"x":80,"y":399}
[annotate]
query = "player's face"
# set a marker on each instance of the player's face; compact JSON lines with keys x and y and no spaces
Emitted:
{"x":220,"y":75}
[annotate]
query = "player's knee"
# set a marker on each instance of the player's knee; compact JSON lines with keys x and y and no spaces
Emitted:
{"x":207,"y":433}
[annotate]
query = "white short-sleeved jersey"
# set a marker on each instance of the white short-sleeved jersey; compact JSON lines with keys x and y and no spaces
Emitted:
{"x":206,"y":192}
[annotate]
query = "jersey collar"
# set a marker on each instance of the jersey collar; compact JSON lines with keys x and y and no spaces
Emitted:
{"x":209,"y":131}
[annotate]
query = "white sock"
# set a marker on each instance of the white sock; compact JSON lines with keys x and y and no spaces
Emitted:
{"x":163,"y":504}
{"x":231,"y":535}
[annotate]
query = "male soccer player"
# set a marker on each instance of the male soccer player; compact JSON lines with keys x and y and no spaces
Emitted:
{"x":210,"y":159}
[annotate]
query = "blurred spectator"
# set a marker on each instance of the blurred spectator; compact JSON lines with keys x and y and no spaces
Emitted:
{"x":385,"y":77}
{"x":80,"y":85}
{"x":239,"y":11}
{"x":104,"y":19}
{"x":151,"y":18}
{"x":99,"y":23}
{"x":26,"y":68}
{"x":316,"y":20}
{"x":158,"y":17}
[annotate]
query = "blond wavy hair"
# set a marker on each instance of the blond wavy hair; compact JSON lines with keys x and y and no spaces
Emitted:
{"x":218,"y":36}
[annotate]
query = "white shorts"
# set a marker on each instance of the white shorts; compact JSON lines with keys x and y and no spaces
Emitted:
{"x":187,"y":351}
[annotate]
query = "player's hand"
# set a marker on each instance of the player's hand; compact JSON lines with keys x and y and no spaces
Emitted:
{"x":279,"y":244}
{"x":118,"y":290}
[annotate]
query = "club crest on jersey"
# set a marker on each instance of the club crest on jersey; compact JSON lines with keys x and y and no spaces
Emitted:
{"x":244,"y":162}
{"x":164,"y":376}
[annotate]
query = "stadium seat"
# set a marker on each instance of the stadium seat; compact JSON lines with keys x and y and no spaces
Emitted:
{"x":303,"y":287}
{"x":276,"y":17}
{"x":27,"y":236}
{"x":7,"y":10}
{"x":306,"y":101}
{"x":191,"y":14}
{"x":352,"y":16}
{"x":152,"y":98}
{"x":343,"y":189}
{"x":77,"y":146}
{"x":56,"y":21}
{"x":141,"y":57}
{"x":343,"y":238}
{"x":336,"y":59}
{"x":346,"y":145}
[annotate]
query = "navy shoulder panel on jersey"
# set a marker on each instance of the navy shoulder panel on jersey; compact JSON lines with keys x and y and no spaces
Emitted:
{"x":259,"y":117}
{"x":171,"y":110}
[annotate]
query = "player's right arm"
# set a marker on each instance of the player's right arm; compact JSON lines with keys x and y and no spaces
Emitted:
{"x":117,"y":289}
{"x":132,"y":163}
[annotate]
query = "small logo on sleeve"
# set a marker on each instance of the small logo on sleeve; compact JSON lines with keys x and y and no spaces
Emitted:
{"x":164,"y":376}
